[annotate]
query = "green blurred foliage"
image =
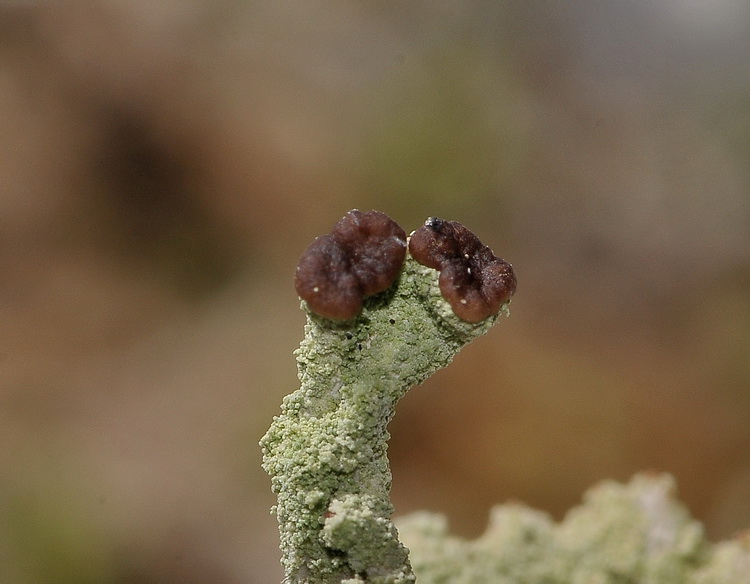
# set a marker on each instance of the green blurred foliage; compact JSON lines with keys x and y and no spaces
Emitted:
{"x":51,"y":536}
{"x":444,"y":137}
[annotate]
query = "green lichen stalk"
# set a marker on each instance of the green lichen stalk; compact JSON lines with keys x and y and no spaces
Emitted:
{"x":326,"y":452}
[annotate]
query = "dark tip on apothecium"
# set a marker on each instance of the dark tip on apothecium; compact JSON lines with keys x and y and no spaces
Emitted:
{"x":362,"y":256}
{"x":472,"y":279}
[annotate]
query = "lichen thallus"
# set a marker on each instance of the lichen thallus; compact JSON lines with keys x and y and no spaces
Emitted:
{"x":379,"y":321}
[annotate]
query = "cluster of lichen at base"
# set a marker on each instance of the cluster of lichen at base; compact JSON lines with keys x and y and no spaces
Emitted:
{"x":622,"y":534}
{"x":326,"y":452}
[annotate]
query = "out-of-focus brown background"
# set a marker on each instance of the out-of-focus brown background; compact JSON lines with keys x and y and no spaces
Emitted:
{"x":164,"y":164}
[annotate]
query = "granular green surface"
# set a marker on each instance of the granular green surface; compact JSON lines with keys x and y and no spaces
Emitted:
{"x":622,"y":534}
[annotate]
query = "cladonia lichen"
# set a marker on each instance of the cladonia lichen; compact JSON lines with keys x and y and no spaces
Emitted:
{"x":634,"y":533}
{"x":326,"y":452}
{"x":326,"y":455}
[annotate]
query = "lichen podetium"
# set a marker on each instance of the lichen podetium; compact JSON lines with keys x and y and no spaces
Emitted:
{"x":326,"y":452}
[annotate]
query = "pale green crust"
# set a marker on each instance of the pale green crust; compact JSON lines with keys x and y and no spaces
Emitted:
{"x":326,"y":452}
{"x":634,"y":533}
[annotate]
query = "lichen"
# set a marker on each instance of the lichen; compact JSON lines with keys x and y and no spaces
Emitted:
{"x":621,"y":534}
{"x":326,"y":455}
{"x":326,"y":452}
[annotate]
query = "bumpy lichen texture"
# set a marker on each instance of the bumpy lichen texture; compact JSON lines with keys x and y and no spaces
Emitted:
{"x":622,"y":533}
{"x":326,"y":452}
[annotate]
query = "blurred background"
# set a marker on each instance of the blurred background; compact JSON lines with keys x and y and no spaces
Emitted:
{"x":164,"y":164}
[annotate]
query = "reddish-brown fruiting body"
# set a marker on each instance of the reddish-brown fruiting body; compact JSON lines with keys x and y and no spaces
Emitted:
{"x":362,"y":256}
{"x":472,"y":279}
